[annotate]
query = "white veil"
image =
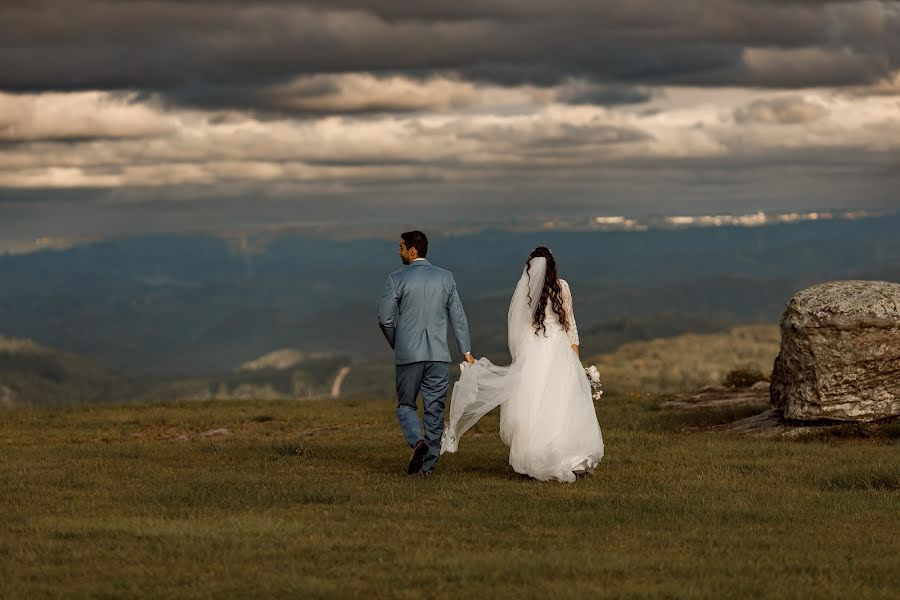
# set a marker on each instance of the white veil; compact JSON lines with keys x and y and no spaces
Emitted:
{"x":520,"y":317}
{"x":484,"y":386}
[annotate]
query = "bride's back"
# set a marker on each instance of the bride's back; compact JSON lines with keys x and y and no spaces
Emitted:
{"x":551,"y":319}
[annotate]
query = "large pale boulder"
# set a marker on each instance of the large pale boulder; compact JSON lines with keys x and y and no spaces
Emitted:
{"x":840,"y":353}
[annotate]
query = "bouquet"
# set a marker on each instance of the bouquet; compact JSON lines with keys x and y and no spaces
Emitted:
{"x":593,"y":376}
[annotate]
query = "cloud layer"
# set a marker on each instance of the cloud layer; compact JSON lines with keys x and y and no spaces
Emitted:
{"x":597,"y":103}
{"x":461,"y":132}
{"x":208,"y":52}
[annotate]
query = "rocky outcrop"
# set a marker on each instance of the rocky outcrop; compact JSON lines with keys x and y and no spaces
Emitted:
{"x":282,"y":360}
{"x":840,"y":353}
{"x":186,"y":437}
{"x":7,"y":397}
{"x":719,"y":396}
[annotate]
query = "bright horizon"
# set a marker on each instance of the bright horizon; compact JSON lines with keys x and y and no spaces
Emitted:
{"x":255,"y":237}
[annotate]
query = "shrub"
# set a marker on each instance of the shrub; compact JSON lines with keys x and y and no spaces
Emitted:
{"x":744,"y":377}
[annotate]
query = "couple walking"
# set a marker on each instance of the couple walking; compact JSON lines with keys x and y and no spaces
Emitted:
{"x":547,"y":416}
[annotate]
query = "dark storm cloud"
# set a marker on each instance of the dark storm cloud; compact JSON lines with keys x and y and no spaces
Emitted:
{"x":56,"y":139}
{"x":606,"y":95}
{"x":229,"y":54}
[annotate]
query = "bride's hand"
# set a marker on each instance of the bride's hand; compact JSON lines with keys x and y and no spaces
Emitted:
{"x":576,"y":349}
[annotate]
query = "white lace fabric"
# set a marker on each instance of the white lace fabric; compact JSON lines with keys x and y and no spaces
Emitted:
{"x":551,"y":315}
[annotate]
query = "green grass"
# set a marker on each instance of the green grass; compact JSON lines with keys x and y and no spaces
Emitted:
{"x":310,"y":499}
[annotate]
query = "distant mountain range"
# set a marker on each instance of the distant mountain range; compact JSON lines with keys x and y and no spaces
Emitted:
{"x":200,"y":306}
{"x":255,"y":236}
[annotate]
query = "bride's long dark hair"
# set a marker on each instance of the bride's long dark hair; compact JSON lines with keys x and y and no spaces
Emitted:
{"x":551,"y":292}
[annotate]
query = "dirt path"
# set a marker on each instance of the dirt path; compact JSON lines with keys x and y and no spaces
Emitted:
{"x":339,"y":381}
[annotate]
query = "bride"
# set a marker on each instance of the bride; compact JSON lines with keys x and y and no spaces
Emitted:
{"x":547,"y":414}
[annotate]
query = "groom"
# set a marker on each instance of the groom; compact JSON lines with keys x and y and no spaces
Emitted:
{"x":418,"y":303}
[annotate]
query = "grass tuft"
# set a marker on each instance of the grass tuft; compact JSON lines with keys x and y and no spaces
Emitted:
{"x":879,"y":478}
{"x":282,"y":450}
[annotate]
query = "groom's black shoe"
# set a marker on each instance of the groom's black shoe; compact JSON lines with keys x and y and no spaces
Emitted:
{"x":418,"y":457}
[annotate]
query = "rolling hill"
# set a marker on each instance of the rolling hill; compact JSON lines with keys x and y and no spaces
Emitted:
{"x":689,"y":361}
{"x":34,"y":375}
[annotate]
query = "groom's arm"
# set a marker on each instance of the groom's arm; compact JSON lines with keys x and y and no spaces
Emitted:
{"x":388,"y":309}
{"x":458,"y":321}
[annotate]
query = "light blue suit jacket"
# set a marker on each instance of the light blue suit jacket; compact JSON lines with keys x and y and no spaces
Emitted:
{"x":418,"y":303}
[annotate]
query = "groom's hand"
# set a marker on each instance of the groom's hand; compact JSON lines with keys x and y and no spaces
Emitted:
{"x":469,"y":358}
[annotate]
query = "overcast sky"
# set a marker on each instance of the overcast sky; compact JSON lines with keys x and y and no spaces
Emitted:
{"x":118,"y":117}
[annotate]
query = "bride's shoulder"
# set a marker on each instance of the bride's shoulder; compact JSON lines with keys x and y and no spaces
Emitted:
{"x":563,"y":283}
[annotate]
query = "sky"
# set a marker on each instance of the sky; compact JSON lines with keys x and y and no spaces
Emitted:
{"x":120,"y":117}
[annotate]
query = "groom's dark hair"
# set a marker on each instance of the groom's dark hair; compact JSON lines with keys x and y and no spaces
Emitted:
{"x":417,"y":240}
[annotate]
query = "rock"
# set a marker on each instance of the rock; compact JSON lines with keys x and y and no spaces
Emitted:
{"x":7,"y":397}
{"x":185,"y":437}
{"x":714,"y":389}
{"x":770,"y":424}
{"x":760,"y":386}
{"x":717,"y":397}
{"x":840,"y":353}
{"x":282,"y":360}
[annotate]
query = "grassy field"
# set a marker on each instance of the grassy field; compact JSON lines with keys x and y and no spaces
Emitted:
{"x":310,"y":499}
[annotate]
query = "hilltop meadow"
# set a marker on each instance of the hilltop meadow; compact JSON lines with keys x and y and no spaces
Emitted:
{"x":258,"y":498}
{"x":141,"y":457}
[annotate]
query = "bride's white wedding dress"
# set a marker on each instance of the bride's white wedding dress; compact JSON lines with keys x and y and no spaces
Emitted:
{"x":547,"y":415}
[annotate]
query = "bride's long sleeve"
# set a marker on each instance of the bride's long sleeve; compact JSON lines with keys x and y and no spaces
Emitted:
{"x":570,"y":313}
